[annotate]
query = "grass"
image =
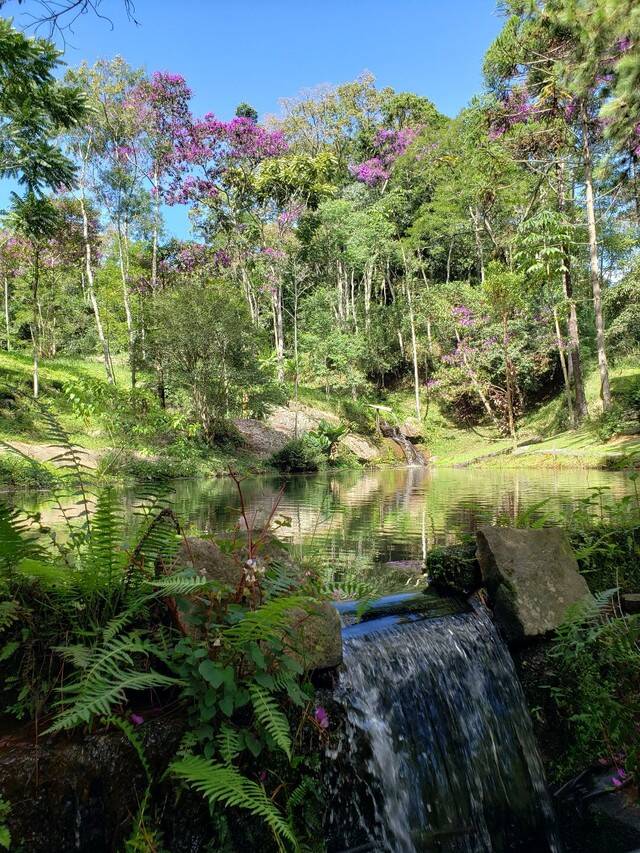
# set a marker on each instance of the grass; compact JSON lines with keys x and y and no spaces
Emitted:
{"x":144,"y":447}
{"x":156,"y":450}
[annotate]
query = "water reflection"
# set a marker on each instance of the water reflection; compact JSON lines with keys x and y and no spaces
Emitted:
{"x":379,"y":515}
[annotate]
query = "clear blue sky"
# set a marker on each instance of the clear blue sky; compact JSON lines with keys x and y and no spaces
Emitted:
{"x":260,"y":50}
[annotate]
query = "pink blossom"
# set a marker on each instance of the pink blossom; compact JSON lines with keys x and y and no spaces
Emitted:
{"x":321,"y":717}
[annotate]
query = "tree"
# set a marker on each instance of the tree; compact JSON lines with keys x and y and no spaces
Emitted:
{"x":212,"y":353}
{"x":34,"y":109}
{"x":503,"y":291}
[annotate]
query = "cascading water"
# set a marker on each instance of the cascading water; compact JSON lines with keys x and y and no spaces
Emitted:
{"x":411,"y":454}
{"x":436,"y":750}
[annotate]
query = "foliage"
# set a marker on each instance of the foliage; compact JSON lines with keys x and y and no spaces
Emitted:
{"x":20,"y":473}
{"x":596,"y":660}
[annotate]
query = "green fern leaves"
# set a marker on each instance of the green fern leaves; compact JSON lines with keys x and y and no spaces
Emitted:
{"x":104,"y":675}
{"x":269,"y":714}
{"x":222,"y":784}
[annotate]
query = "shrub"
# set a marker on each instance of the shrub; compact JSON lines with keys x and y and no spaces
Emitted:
{"x":299,"y":455}
{"x":20,"y":473}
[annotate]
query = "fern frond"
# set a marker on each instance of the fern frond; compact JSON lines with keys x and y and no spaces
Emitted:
{"x":269,"y":621}
{"x":229,"y":743}
{"x":269,"y":714}
{"x":181,"y":584}
{"x":135,"y":740}
{"x":17,"y":541}
{"x":105,"y":674}
{"x":219,"y":783}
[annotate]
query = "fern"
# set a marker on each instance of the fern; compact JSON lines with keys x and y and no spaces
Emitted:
{"x":135,"y":740}
{"x":182,"y":584}
{"x":269,"y":714}
{"x":229,"y":743}
{"x":269,"y":621}
{"x":106,"y":673}
{"x":17,"y":540}
{"x":219,"y":783}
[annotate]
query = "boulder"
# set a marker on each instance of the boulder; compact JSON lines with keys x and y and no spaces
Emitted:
{"x":314,"y":636}
{"x":630,"y":603}
{"x":209,"y":560}
{"x":532,"y":578}
{"x":362,"y":448}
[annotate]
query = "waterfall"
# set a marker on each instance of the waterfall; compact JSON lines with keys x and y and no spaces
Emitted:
{"x":436,"y":750}
{"x":411,"y":454}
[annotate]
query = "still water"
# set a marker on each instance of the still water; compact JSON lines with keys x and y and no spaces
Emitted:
{"x":377,"y":515}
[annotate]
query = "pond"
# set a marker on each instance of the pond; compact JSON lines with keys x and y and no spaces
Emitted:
{"x":375,"y":515}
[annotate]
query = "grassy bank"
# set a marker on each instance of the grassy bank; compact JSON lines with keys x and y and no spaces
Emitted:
{"x":544,"y":441}
{"x":125,"y":433}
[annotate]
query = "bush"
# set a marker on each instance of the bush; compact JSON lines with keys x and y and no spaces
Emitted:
{"x":358,"y":416}
{"x":454,"y":568}
{"x":298,"y":456}
{"x":147,"y":469}
{"x":20,"y":474}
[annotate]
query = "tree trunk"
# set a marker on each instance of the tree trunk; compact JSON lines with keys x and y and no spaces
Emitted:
{"x":278,"y":327}
{"x":593,"y":265}
{"x":508,"y":372}
{"x":35,"y":325}
{"x":476,"y":233}
{"x":565,"y":372}
{"x":475,"y":382}
{"x":127,"y":306}
{"x":7,"y":319}
{"x":91,"y":289}
{"x":156,"y":229}
{"x":575,"y":361}
{"x":414,"y":351}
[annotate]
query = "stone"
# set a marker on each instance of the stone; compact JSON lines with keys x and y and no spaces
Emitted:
{"x":362,"y":448}
{"x":532,"y":578}
{"x":209,"y":560}
{"x":314,"y":636}
{"x":407,"y":567}
{"x":315,"y":640}
{"x":630,"y":602}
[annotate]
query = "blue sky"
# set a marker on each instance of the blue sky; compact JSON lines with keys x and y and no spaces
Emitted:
{"x":259,"y":50}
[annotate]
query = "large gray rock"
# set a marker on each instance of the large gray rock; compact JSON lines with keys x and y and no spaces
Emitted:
{"x":314,"y":636}
{"x":532,"y":578}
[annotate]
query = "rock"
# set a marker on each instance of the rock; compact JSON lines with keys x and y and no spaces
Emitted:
{"x":630,"y":602}
{"x":260,"y":438}
{"x":407,"y":567}
{"x":412,"y":428}
{"x":208,"y":559}
{"x":532,"y":578}
{"x":316,"y":637}
{"x":362,"y":448}
{"x":393,"y":449}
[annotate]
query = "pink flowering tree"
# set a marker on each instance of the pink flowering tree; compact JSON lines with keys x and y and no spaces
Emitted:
{"x":388,"y":145}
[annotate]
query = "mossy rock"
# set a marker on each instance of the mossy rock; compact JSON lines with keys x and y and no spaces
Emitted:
{"x":454,"y":568}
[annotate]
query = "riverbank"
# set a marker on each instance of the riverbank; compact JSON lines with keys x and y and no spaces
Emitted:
{"x":126,"y":436}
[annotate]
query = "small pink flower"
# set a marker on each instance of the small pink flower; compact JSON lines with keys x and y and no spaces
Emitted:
{"x":137,"y":720}
{"x":262,"y":776}
{"x":321,"y":717}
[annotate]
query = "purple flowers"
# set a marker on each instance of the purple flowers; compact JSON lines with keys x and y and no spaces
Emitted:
{"x":137,"y":719}
{"x":620,"y":778}
{"x":321,"y":717}
{"x":389,"y":145}
{"x":463,"y":316}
